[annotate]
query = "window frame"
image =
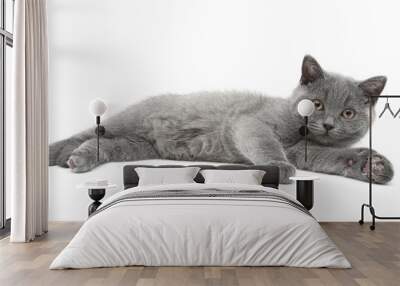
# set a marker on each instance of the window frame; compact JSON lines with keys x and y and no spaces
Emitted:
{"x":6,"y":39}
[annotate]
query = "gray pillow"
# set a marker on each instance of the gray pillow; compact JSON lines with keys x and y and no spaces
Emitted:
{"x":166,"y":176}
{"x":247,"y":177}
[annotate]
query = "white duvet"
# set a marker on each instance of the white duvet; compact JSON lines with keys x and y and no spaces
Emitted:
{"x":199,"y":231}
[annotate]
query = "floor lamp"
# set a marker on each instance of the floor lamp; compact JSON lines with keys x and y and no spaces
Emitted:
{"x":305,"y":108}
{"x":97,"y":107}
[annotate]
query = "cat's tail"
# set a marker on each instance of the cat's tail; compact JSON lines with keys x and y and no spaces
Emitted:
{"x":59,"y":152}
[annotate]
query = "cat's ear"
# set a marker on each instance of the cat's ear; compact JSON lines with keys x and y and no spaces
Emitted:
{"x":310,"y":70}
{"x":373,"y":86}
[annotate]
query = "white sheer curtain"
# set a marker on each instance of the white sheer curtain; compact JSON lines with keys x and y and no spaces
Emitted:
{"x":28,"y":157}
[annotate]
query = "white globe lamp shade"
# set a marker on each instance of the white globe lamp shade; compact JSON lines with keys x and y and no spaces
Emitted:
{"x":305,"y":107}
{"x":97,"y":107}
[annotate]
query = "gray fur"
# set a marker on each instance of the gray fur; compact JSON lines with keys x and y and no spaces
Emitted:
{"x":242,"y":127}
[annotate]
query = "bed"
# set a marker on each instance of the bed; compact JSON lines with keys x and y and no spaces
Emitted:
{"x":198,"y":224}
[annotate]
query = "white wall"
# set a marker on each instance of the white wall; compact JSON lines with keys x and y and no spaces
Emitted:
{"x":124,"y":51}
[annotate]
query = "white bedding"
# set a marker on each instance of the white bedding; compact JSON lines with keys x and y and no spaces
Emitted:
{"x":200,"y":231}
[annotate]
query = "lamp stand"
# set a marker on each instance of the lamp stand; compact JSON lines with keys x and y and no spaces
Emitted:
{"x":304,"y":132}
{"x":306,"y":138}
{"x":100,"y":131}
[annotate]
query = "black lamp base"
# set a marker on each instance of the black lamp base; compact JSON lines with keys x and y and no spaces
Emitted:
{"x":303,"y":130}
{"x":100,"y":130}
{"x":305,"y":193}
{"x":96,"y":195}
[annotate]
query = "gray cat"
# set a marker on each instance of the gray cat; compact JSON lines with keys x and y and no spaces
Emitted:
{"x":242,"y":127}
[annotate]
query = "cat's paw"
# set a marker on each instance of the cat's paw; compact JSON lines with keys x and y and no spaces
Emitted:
{"x":59,"y":154}
{"x":80,"y":162}
{"x":382,"y":169}
{"x":62,"y":159}
{"x":286,"y":170}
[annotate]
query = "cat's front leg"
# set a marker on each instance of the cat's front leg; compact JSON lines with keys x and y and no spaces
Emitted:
{"x":347,"y":162}
{"x":117,"y":149}
{"x":257,"y":142}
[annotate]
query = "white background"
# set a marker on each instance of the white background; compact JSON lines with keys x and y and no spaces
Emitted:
{"x":124,"y":51}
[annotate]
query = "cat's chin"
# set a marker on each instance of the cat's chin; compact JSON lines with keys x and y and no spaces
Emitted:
{"x":325,"y":139}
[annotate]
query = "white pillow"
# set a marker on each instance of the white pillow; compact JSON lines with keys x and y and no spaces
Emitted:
{"x":248,"y":177}
{"x":165,"y":176}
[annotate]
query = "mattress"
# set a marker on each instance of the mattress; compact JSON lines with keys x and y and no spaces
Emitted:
{"x":201,"y":225}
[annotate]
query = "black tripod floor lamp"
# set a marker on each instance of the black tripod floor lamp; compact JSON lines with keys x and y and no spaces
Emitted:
{"x":97,"y":107}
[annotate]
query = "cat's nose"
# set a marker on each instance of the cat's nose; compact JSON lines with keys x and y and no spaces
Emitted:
{"x":328,"y":126}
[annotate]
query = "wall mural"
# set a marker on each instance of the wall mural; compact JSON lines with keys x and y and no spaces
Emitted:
{"x":242,"y":127}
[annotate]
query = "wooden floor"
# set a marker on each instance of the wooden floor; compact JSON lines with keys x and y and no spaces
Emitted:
{"x":375,"y":257}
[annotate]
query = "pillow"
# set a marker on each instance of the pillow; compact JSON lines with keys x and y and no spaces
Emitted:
{"x":164,"y":176}
{"x":248,"y":177}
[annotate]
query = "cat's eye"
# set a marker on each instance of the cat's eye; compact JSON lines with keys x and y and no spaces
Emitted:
{"x":318,"y":104}
{"x":348,"y":113}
